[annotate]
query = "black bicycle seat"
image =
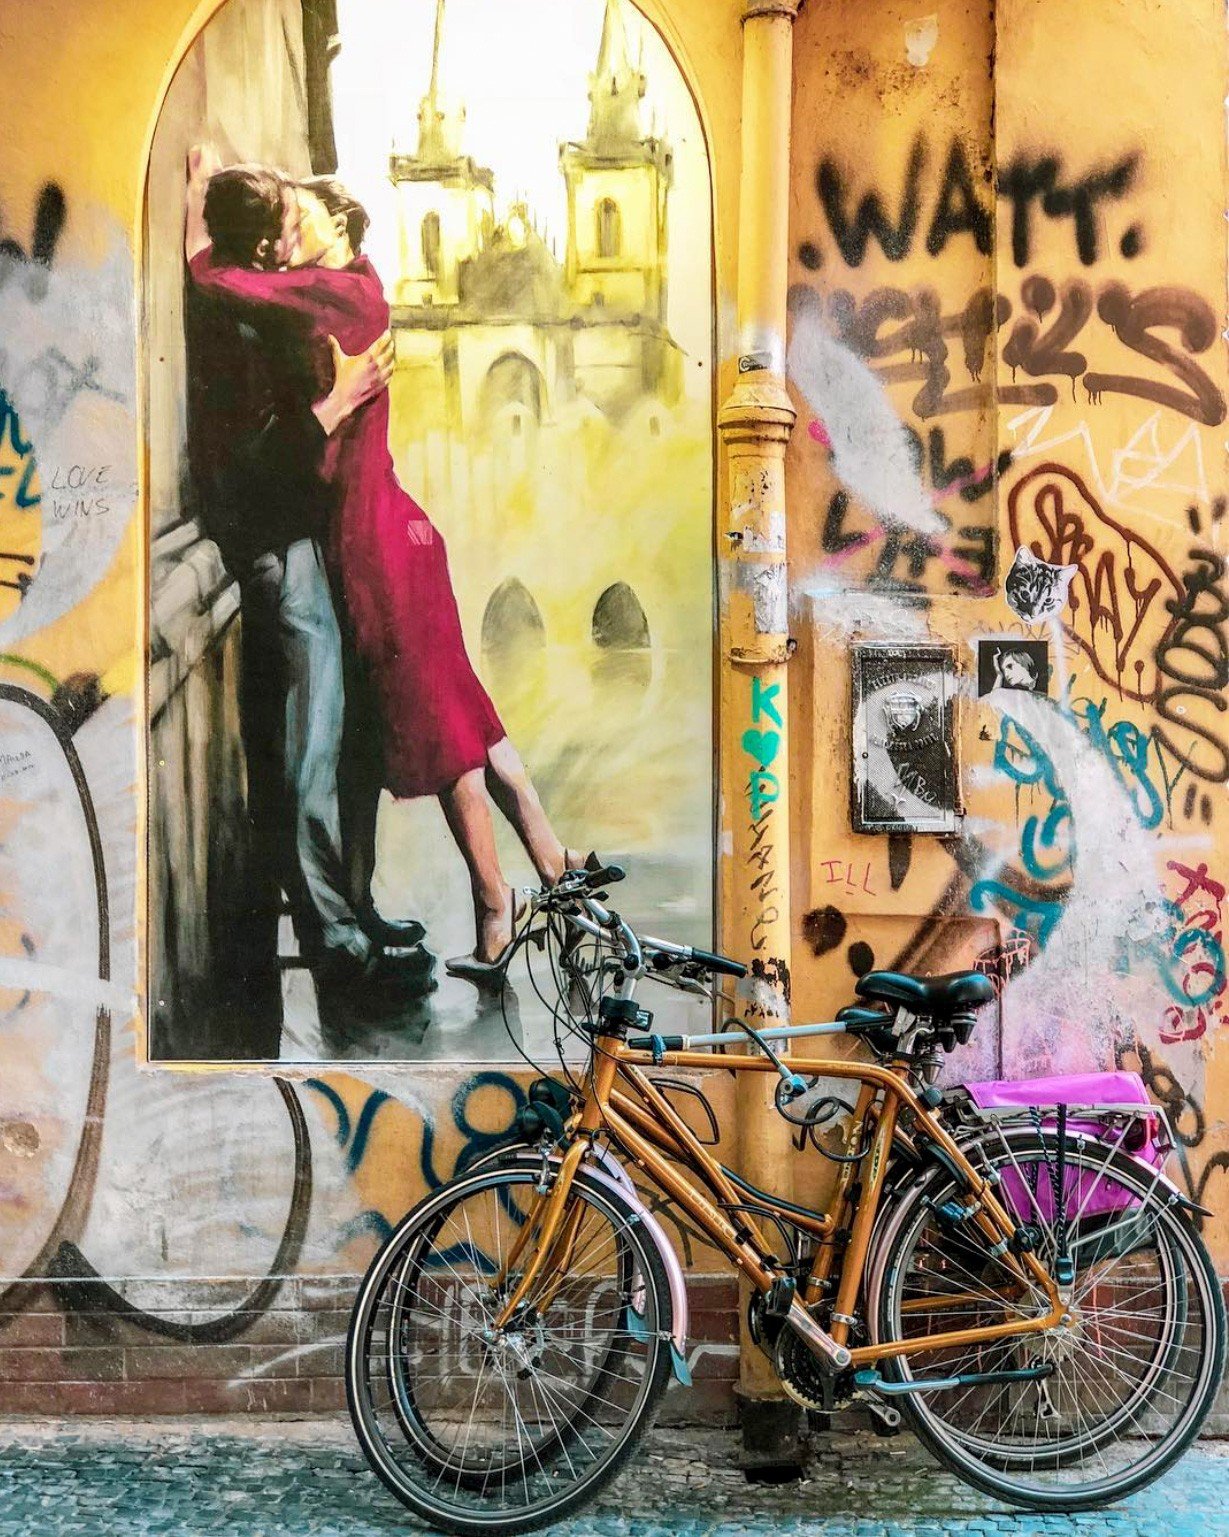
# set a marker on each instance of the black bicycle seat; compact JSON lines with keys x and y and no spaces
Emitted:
{"x":857,"y":1020}
{"x":927,"y":995}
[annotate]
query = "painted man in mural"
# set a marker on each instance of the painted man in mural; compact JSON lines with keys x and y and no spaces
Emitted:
{"x":289,"y":257}
{"x":259,"y":433}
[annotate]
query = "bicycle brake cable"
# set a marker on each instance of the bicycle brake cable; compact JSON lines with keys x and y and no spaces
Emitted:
{"x":793,"y":1081}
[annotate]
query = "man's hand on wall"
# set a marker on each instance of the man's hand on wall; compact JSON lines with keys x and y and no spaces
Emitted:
{"x":356,"y":379}
{"x":203,"y":161}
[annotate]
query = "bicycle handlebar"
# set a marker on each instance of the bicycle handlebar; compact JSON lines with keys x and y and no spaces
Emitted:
{"x":576,"y":895}
{"x":719,"y":963}
{"x":605,"y":875}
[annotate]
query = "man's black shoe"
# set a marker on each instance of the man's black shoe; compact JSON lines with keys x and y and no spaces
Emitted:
{"x":392,"y":933}
{"x":385,"y":975}
{"x":401,"y":965}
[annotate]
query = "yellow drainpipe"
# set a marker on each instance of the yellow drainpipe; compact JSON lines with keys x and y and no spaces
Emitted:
{"x":755,"y":424}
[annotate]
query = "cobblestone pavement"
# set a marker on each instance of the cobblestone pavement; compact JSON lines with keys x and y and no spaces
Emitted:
{"x":306,"y":1479}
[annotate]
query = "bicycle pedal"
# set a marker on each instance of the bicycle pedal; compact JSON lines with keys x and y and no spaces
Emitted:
{"x":886,"y":1419}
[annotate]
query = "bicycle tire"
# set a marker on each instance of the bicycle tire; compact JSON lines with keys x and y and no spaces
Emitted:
{"x":999,"y":1476}
{"x":411,"y":1470}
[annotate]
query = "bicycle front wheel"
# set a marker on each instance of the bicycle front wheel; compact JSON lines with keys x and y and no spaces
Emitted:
{"x":478,"y":1428}
{"x":1082,"y":1414}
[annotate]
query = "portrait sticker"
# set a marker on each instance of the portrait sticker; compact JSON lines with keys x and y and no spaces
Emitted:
{"x":1008,"y":662}
{"x":904,"y":755}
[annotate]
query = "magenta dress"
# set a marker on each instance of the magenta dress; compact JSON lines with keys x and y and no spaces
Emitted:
{"x":387,"y":557}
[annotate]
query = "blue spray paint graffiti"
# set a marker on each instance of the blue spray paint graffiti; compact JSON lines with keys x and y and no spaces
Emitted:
{"x":353,"y":1135}
{"x":1047,"y":842}
{"x":1188,"y":958}
{"x":1131,"y":753}
{"x":478,"y":1140}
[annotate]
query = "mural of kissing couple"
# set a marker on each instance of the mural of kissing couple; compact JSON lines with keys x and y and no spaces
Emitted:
{"x":329,"y":771}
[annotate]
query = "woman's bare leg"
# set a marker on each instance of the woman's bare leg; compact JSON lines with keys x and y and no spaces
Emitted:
{"x":512,"y":791}
{"x":468,"y":814}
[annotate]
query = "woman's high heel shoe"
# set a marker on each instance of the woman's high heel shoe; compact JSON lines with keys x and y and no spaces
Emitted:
{"x":469,"y":968}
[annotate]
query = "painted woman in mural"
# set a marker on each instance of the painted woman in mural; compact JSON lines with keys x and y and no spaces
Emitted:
{"x":440,"y":733}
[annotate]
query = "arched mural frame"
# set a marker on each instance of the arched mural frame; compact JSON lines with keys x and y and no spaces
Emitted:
{"x":656,"y":14}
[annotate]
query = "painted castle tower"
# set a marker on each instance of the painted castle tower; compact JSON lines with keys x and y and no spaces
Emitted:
{"x":538,"y":400}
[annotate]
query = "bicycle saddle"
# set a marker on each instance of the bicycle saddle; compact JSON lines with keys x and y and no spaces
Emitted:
{"x":927,"y":995}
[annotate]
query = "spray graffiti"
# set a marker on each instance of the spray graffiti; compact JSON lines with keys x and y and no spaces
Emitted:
{"x":1123,"y":585}
{"x":20,"y":499}
{"x":890,"y":322}
{"x":50,"y":214}
{"x":67,"y":373}
{"x":761,"y":743}
{"x":1193,"y":659}
{"x":1029,"y":183}
{"x":1191,"y":956}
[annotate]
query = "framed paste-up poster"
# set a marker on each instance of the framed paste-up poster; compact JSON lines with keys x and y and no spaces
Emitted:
{"x":904,"y":739}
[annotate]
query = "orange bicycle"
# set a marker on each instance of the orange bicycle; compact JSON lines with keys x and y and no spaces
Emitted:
{"x":1026,"y":1287}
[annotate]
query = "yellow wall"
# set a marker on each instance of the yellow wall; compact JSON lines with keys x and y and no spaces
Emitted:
{"x":147,"y":1172}
{"x":140,"y":1168}
{"x":1110,"y":450}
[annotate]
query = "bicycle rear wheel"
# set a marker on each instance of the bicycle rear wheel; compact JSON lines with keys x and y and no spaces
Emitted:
{"x":477,"y":1429}
{"x":1127,"y":1383}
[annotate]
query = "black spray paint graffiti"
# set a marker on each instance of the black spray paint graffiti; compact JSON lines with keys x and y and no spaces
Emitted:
{"x":70,"y":1221}
{"x":890,"y":322}
{"x":50,"y":214}
{"x":79,"y":1287}
{"x":1187,"y":1119}
{"x":964,"y":205}
{"x":1193,"y":658}
{"x":77,"y":1284}
{"x":904,"y":553}
{"x":48,"y":383}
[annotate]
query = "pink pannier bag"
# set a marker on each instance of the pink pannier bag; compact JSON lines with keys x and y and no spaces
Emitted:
{"x":1142,"y":1136}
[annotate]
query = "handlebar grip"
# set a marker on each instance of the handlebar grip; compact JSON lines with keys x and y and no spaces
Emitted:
{"x":645,"y":1042}
{"x":608,"y":875}
{"x":720,"y":963}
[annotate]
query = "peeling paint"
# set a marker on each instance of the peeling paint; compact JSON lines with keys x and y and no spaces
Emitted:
{"x":921,"y":36}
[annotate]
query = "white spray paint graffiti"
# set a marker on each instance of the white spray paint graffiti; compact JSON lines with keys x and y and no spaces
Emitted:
{"x":67,"y":365}
{"x":872,"y":454}
{"x":1060,"y":1009}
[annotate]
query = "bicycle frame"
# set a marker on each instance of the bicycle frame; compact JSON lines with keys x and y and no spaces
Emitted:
{"x":623,"y":1103}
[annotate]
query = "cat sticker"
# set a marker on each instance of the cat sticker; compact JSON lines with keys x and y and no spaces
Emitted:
{"x":1035,"y":589}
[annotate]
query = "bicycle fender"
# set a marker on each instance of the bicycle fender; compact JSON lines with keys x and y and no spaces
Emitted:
{"x":1177,"y":1196}
{"x":674,"y":1271}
